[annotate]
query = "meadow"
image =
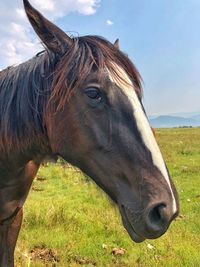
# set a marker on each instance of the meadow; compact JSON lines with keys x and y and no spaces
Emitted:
{"x":68,"y":221}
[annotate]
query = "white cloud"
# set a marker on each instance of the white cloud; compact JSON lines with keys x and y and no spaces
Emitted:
{"x":18,"y":42}
{"x":59,"y":8}
{"x":47,"y":5}
{"x":17,"y":45}
{"x":109,"y":22}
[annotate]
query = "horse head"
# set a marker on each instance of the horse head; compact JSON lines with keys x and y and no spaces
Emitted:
{"x":95,"y":119}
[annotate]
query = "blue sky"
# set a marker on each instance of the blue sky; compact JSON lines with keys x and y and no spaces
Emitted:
{"x":162,"y":37}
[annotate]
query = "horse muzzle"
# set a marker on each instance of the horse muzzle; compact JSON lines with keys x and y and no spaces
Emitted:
{"x":151,"y":224}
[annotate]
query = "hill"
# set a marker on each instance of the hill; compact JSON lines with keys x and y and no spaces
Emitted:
{"x":172,"y":121}
{"x":169,"y":121}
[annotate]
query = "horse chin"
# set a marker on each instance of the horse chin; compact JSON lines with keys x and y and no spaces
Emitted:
{"x":128,"y":226}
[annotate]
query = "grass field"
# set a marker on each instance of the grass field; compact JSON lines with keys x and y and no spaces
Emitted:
{"x":68,"y":221}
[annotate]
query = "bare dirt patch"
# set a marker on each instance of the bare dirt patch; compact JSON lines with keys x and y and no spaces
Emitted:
{"x":44,"y":254}
{"x":37,"y":189}
{"x":40,"y":178}
{"x":84,"y":260}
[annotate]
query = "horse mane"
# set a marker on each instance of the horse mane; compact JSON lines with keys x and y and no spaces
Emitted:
{"x":27,"y":89}
{"x":23,"y":92}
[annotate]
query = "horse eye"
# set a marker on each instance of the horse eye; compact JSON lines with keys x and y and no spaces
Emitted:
{"x":93,"y":93}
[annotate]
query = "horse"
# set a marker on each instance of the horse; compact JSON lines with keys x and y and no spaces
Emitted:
{"x":80,"y":99}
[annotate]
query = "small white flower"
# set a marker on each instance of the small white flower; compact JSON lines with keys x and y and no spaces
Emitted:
{"x":149,"y":246}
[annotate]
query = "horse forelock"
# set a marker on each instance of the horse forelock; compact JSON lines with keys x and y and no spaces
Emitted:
{"x":86,"y":53}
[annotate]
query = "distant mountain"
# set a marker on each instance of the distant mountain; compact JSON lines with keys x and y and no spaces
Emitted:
{"x":185,"y":114}
{"x":166,"y":121}
{"x":196,"y":117}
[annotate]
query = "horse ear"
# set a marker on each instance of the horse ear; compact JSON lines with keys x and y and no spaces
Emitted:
{"x":116,"y":44}
{"x":52,"y":37}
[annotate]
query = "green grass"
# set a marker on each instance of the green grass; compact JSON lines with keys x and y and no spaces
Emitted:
{"x":65,"y":212}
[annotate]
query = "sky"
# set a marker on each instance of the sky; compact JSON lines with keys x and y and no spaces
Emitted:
{"x":161,"y":37}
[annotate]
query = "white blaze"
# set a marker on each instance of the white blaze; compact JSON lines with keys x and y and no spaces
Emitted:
{"x":142,"y":124}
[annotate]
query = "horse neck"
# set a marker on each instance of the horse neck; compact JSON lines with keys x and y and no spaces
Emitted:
{"x":24,"y":91}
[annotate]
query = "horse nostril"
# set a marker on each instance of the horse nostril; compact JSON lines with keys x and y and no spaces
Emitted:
{"x":155,"y":215}
{"x":158,"y":218}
